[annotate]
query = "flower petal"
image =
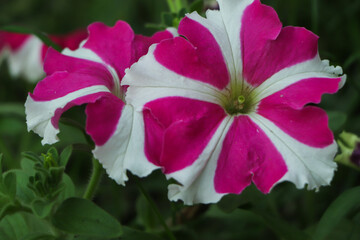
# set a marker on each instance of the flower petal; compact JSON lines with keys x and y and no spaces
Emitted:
{"x":151,"y":80}
{"x":124,"y":149}
{"x":200,"y":58}
{"x":191,"y":128}
{"x":247,"y":155}
{"x":25,"y":59}
{"x":308,"y":125}
{"x":196,"y":182}
{"x":232,"y":14}
{"x":306,"y":165}
{"x":103,"y":117}
{"x":43,"y":111}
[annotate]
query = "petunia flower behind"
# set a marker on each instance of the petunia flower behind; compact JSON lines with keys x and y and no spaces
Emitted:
{"x":91,"y":75}
{"x":25,"y":53}
{"x":224,"y":105}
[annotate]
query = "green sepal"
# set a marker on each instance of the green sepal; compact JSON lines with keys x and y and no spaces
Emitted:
{"x":42,"y":208}
{"x":65,"y":155}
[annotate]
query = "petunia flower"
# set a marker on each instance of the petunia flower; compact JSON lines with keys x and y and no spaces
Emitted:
{"x":91,"y":75}
{"x":225,"y":104}
{"x":25,"y":53}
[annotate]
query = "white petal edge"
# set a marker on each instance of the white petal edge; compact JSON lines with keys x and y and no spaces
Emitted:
{"x":232,"y":13}
{"x":27,"y":61}
{"x":39,"y":113}
{"x":197,"y":180}
{"x":88,"y":54}
{"x":162,"y":83}
{"x":127,"y":140}
{"x":314,"y":68}
{"x":306,"y":165}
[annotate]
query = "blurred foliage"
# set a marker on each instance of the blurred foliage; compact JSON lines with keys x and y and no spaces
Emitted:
{"x":285,"y":213}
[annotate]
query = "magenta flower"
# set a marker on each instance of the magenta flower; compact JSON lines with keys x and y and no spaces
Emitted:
{"x":224,"y":105}
{"x":91,"y":75}
{"x":25,"y":53}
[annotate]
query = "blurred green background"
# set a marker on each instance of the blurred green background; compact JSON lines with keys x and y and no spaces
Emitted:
{"x":338,"y":25}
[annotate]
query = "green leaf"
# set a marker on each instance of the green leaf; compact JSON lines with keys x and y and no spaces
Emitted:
{"x":10,"y":184}
{"x":31,"y":156}
{"x":42,"y":208}
{"x":44,"y":38}
{"x":38,"y":236}
{"x":133,"y":234}
{"x":167,"y":18}
{"x":19,"y":225}
{"x":338,"y":210}
{"x":11,"y":125}
{"x":83,"y":217}
{"x":336,"y":120}
{"x":281,"y":228}
{"x":12,"y":108}
{"x":231,"y":202}
{"x":146,"y":215}
{"x":65,"y":156}
{"x":197,"y":6}
{"x":68,"y":190}
{"x":23,"y":193}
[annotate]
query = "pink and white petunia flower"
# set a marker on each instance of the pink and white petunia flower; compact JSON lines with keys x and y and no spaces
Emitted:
{"x":25,"y":53}
{"x":224,"y":105}
{"x":91,"y":75}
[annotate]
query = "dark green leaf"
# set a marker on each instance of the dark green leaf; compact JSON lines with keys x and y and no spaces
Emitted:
{"x":231,"y":202}
{"x":68,"y":190}
{"x":146,"y":215}
{"x":38,"y":236}
{"x":65,"y":156}
{"x":336,"y":120}
{"x":10,"y":184}
{"x":19,"y":225}
{"x":283,"y":229}
{"x":83,"y":217}
{"x":42,"y":208}
{"x":31,"y":156}
{"x":11,"y":125}
{"x":197,"y":6}
{"x":56,"y":174}
{"x":338,"y":210}
{"x":167,"y":18}
{"x":23,"y":193}
{"x":133,"y":234}
{"x":13,"y":109}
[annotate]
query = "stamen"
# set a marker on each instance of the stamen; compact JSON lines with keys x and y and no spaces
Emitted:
{"x":241,"y":99}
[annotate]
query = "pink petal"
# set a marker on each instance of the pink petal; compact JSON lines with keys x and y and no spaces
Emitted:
{"x":71,"y":40}
{"x":91,"y":98}
{"x":13,"y":40}
{"x":308,"y":125}
{"x":68,"y":75}
{"x":175,"y":138}
{"x":199,"y":58}
{"x":103,"y":117}
{"x":247,"y":155}
{"x":266,"y":48}
{"x":142,"y":43}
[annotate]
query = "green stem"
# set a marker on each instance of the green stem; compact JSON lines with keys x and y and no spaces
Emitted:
{"x":176,"y":5}
{"x":172,"y":7}
{"x":94,"y":180}
{"x":155,"y":209}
